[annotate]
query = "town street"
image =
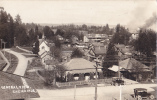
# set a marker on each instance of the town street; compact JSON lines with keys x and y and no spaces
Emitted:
{"x":88,"y":93}
{"x":22,"y":62}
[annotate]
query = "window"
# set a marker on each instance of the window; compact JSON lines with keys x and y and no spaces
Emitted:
{"x":43,"y":47}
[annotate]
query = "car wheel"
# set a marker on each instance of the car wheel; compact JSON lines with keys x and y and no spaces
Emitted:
{"x":116,"y":84}
{"x":152,"y":97}
{"x":139,"y":97}
{"x":134,"y":96}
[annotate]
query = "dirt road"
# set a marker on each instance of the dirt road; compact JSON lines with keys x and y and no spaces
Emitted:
{"x":87,"y":93}
{"x":22,"y":63}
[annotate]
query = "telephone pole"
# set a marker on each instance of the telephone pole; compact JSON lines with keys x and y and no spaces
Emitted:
{"x":96,"y":74}
{"x":96,"y":83}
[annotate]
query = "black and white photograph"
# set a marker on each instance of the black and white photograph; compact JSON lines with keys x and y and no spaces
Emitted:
{"x":78,"y":49}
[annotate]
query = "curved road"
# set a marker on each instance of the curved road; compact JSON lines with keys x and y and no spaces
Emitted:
{"x":22,"y":62}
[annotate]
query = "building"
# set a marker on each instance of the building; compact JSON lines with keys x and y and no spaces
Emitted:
{"x":44,"y":45}
{"x":66,"y":53}
{"x":94,"y":37}
{"x":59,"y":37}
{"x":124,"y":51}
{"x":134,"y":69}
{"x":99,"y":49}
{"x":83,"y":32}
{"x":113,"y":71}
{"x":94,"y":50}
{"x":80,"y":69}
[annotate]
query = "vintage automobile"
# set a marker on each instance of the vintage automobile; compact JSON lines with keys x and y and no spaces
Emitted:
{"x":116,"y":81}
{"x":141,"y":93}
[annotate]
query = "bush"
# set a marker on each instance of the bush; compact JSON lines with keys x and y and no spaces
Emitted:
{"x":101,"y":76}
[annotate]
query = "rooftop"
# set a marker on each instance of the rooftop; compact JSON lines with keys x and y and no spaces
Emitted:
{"x":130,"y":64}
{"x":96,"y":35}
{"x":80,"y":65}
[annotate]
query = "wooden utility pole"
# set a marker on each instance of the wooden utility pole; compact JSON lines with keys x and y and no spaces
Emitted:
{"x":1,"y":43}
{"x":120,"y":97}
{"x":74,"y":92}
{"x":118,"y":68}
{"x":54,"y":80}
{"x":96,"y":78}
{"x":96,"y":73}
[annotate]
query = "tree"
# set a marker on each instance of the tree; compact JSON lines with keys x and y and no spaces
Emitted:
{"x":3,"y":17}
{"x":10,"y":31}
{"x":57,"y":43}
{"x":121,"y":36}
{"x":6,"y":28}
{"x":36,"y":48}
{"x":118,"y":28}
{"x":48,"y":32}
{"x":106,"y":29}
{"x":57,"y":73}
{"x":110,"y":59}
{"x":146,"y":42}
{"x":32,"y":36}
{"x":56,"y":53}
{"x":84,"y":27}
{"x":21,"y":35}
{"x":18,"y":19}
{"x":60,"y":32}
{"x":60,"y":73}
{"x":76,"y":53}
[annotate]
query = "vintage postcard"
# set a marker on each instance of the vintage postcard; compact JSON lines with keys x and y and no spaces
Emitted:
{"x":78,"y":49}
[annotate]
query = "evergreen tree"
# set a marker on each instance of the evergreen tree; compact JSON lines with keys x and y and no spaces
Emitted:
{"x":146,"y":43}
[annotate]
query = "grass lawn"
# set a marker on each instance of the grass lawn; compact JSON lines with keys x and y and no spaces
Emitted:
{"x":30,"y":56}
{"x":26,"y":54}
{"x":35,"y":65}
{"x":18,"y":50}
{"x":28,"y":48}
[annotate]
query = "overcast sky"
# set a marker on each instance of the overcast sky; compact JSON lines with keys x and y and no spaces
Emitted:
{"x":126,"y":12}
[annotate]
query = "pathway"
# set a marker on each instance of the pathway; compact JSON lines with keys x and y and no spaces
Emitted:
{"x":22,"y":62}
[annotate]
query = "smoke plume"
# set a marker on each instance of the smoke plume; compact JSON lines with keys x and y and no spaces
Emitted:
{"x":151,"y":21}
{"x":142,"y":16}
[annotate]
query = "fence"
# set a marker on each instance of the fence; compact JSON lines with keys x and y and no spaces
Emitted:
{"x":89,"y":82}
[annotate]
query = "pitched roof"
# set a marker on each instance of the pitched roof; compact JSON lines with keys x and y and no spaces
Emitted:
{"x":47,"y":42}
{"x":80,"y":65}
{"x":131,"y":62}
{"x":100,"y":50}
{"x":96,"y":35}
{"x":13,"y":83}
{"x":127,"y":50}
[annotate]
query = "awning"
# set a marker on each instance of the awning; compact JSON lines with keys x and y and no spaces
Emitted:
{"x":16,"y":87}
{"x":115,"y":68}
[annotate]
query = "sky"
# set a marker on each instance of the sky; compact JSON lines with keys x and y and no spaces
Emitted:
{"x":132,"y":13}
